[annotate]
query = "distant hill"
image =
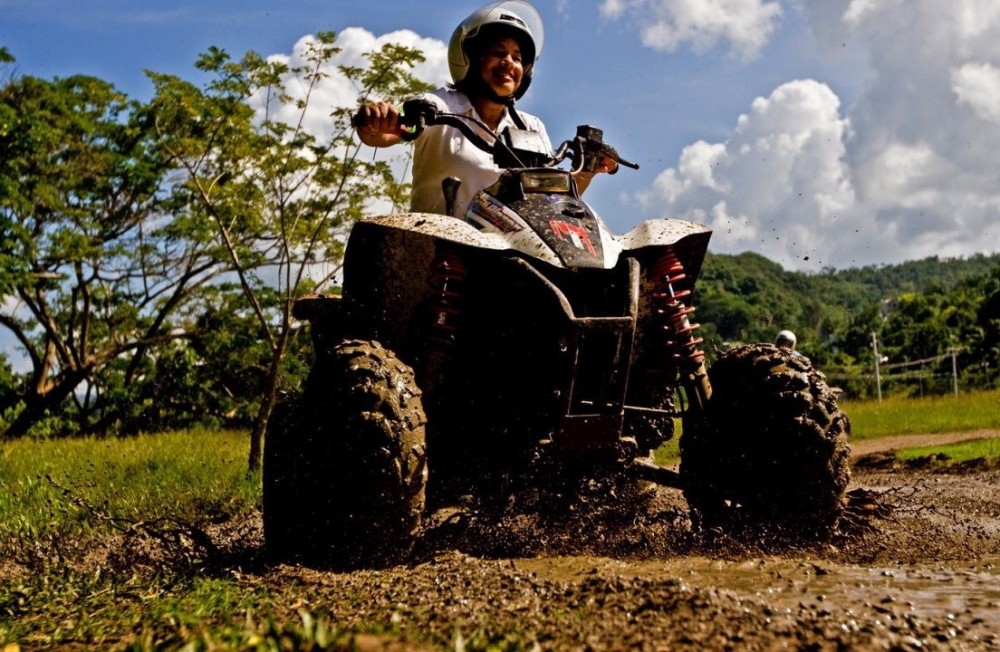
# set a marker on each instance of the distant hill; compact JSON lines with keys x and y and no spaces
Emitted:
{"x":747,"y":297}
{"x":920,"y":275}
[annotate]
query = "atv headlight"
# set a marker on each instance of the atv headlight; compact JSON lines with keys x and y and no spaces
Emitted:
{"x":547,"y":181}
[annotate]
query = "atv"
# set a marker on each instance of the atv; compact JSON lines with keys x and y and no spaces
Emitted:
{"x":522,"y":346}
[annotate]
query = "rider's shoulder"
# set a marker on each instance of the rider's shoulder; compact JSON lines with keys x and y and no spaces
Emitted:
{"x":447,"y":99}
{"x":531,"y":121}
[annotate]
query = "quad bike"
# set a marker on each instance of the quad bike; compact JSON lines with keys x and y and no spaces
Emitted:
{"x":526,"y":345}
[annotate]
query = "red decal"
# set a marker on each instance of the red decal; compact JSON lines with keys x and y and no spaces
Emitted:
{"x":577,"y":235}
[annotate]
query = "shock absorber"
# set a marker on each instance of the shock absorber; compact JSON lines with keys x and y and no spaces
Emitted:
{"x":443,"y":310}
{"x":668,"y":302}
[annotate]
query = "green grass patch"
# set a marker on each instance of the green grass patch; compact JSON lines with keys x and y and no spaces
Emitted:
{"x":48,"y":487}
{"x":59,"y":610}
{"x":61,"y":500}
{"x":980,"y":449}
{"x":906,"y":416}
{"x":670,"y":451}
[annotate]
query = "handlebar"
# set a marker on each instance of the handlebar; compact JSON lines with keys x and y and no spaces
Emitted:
{"x":591,"y":142}
{"x":586,"y":150}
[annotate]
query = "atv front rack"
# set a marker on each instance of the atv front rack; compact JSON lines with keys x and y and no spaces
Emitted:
{"x":593,"y":405}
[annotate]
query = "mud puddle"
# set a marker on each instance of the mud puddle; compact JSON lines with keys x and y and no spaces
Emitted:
{"x":940,"y":591}
{"x":915,"y":570}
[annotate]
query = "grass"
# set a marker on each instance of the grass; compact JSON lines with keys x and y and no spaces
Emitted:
{"x":63,"y":500}
{"x":47,"y":485}
{"x":897,"y":415}
{"x":95,"y":552}
{"x":981,"y":449}
{"x":670,"y":452}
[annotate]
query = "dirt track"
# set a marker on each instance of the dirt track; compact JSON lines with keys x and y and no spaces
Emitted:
{"x":914,"y":568}
{"x":869,"y":446}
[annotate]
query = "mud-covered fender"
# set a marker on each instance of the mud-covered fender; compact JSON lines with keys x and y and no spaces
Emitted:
{"x":654,"y":233}
{"x":689,"y":241}
{"x":450,"y":229}
{"x":389,"y":262}
{"x":389,"y":259}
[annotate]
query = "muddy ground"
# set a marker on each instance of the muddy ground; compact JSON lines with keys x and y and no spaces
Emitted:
{"x":914,"y":567}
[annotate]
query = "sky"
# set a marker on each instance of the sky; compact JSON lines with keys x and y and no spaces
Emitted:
{"x":819,"y":133}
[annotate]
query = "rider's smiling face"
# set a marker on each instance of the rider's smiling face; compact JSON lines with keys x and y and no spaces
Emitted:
{"x":501,"y":66}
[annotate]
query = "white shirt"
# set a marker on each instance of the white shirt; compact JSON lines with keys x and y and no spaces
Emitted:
{"x":443,"y":151}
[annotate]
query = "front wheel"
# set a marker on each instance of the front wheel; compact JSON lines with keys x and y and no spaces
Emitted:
{"x":356,"y":447}
{"x":770,"y":449}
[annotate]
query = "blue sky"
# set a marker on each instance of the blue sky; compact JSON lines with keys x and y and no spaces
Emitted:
{"x":820,"y":133}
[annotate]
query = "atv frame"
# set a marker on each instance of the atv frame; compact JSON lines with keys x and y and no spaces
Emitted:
{"x":474,"y":362}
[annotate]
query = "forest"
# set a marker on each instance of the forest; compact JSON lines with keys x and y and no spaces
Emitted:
{"x":152,"y":252}
{"x":931,"y":322}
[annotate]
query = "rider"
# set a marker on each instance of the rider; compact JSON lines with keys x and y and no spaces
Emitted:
{"x":786,"y":340}
{"x":491,"y":57}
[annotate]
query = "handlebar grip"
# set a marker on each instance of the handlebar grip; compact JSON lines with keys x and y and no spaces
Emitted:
{"x":411,"y":127}
{"x":416,"y":115}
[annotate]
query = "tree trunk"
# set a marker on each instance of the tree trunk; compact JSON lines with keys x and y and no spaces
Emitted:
{"x":36,"y":405}
{"x":266,"y":406}
{"x":257,"y":433}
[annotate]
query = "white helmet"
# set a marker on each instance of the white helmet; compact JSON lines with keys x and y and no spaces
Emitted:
{"x":515,"y":15}
{"x":785,"y":337}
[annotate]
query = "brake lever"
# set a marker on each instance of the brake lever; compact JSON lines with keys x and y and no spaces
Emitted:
{"x":612,"y":153}
{"x":592,"y":149}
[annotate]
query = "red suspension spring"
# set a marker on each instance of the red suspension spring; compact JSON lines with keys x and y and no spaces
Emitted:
{"x":447,"y":281}
{"x":668,"y":303}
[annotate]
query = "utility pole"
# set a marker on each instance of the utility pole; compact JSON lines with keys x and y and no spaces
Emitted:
{"x":878,"y":378}
{"x":954,"y":369}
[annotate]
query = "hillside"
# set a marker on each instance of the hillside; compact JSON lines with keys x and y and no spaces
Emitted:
{"x":919,"y":309}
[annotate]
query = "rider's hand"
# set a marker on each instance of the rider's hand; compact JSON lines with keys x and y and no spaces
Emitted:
{"x":377,"y":124}
{"x":607,"y":164}
{"x":583,"y":178}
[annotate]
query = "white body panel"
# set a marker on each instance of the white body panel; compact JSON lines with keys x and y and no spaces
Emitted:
{"x":650,"y":233}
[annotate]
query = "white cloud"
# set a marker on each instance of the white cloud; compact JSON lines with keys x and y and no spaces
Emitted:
{"x":337,"y":90}
{"x":859,"y":10}
{"x":613,"y":9}
{"x":924,"y":162}
{"x":977,"y":86}
{"x":911,"y":169}
{"x":776,"y":182}
{"x":746,"y":25}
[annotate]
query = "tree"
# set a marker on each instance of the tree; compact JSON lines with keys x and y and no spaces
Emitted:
{"x":213,"y":378}
{"x":93,"y":268}
{"x":988,"y":318}
{"x":281,"y":197}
